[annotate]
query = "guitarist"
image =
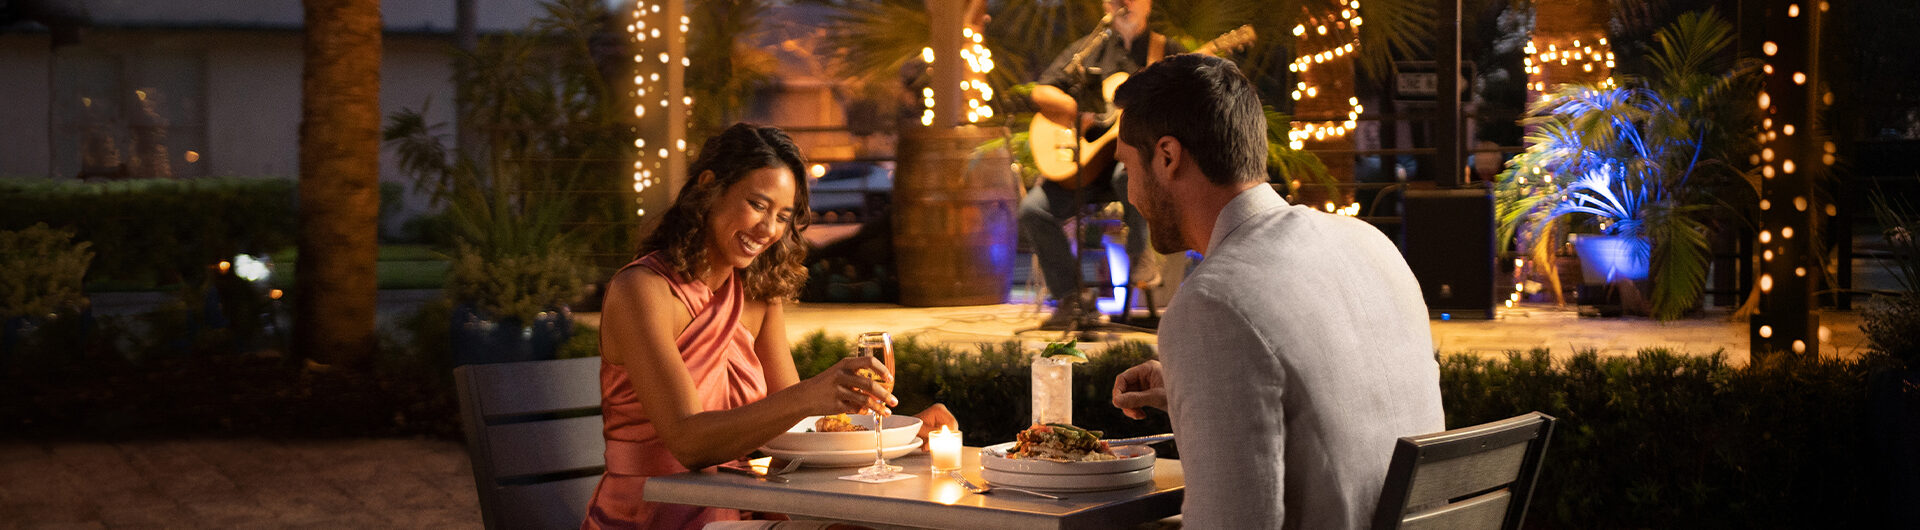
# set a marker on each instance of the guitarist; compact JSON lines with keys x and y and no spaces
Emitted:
{"x":1069,"y":92}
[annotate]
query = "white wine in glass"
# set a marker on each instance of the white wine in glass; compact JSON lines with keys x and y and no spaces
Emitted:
{"x":879,"y":345}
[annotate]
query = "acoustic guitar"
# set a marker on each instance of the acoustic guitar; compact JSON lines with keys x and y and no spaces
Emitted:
{"x":1057,"y":150}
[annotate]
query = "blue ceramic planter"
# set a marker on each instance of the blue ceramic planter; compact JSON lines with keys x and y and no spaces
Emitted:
{"x":479,"y":338}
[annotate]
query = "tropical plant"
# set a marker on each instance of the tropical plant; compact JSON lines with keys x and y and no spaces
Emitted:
{"x":1627,"y":160}
{"x":724,"y":69}
{"x":1891,"y":318}
{"x":552,"y":130}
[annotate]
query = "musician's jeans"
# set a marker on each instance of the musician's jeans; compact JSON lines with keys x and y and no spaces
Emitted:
{"x":1049,"y":206}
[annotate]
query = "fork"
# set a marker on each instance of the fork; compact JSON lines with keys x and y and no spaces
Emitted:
{"x":983,"y":489}
{"x":791,"y":465}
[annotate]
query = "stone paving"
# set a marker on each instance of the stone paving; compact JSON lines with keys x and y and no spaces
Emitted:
{"x":238,"y":483}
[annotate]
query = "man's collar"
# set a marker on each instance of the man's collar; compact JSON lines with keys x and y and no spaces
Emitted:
{"x":1243,"y":207}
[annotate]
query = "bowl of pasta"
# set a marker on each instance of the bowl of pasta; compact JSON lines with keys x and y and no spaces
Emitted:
{"x":844,"y":432}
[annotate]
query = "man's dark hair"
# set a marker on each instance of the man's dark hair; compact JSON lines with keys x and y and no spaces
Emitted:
{"x":1206,"y":104}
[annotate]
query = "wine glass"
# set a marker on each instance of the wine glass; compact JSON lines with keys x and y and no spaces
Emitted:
{"x":879,"y":345}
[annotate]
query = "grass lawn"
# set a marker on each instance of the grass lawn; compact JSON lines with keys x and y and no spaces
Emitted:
{"x":399,"y":267}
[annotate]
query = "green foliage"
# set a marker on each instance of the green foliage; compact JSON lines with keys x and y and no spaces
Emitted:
{"x":158,"y":231}
{"x":1631,"y":160}
{"x":551,"y":129}
{"x":989,"y":390}
{"x":724,"y":69}
{"x":1891,"y":321}
{"x":1661,"y":440}
{"x":550,"y":141}
{"x":40,"y":271}
{"x":518,"y":286}
{"x":584,"y":342}
{"x":1296,"y":167}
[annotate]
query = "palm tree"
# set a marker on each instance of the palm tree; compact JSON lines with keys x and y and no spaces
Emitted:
{"x":335,"y":292}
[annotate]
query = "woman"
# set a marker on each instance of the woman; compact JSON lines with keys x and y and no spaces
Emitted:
{"x":695,"y":369}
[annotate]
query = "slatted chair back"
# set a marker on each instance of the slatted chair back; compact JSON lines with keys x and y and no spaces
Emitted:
{"x":1477,"y":477}
{"x":534,"y":435}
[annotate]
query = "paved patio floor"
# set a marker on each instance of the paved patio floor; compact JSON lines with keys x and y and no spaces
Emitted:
{"x":238,"y":483}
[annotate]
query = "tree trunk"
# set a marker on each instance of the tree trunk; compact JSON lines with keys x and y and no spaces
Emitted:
{"x":335,"y":291}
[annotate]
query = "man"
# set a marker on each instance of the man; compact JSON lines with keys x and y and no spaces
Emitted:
{"x":1298,"y":350}
{"x":1069,"y":92}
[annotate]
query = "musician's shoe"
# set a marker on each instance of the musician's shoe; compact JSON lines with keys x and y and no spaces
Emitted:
{"x":1070,"y":313}
{"x":1146,"y":271}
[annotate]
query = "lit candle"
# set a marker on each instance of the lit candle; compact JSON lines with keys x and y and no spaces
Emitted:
{"x":946,"y":449}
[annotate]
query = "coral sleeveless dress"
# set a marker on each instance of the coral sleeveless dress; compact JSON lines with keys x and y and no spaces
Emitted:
{"x":718,"y":352}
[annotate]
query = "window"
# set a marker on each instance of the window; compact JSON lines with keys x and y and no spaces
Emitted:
{"x":128,"y":112}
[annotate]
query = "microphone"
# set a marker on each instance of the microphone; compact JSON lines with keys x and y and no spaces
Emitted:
{"x":1101,"y":31}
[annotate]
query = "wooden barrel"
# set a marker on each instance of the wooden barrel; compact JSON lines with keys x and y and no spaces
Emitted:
{"x":953,"y":217}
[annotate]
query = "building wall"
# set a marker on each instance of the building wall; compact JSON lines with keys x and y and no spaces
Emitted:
{"x":24,"y":64}
{"x":241,"y":61}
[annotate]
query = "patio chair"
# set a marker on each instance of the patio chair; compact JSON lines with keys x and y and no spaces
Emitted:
{"x":534,"y":436}
{"x":1468,"y":478}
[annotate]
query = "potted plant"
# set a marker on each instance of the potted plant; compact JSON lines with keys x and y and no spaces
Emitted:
{"x":547,"y":126}
{"x":1634,"y":167}
{"x":42,"y":305}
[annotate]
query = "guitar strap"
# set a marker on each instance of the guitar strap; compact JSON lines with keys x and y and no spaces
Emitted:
{"x":1156,"y":47}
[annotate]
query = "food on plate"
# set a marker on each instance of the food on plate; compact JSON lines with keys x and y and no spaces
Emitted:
{"x":1060,"y":442}
{"x":836,"y":423}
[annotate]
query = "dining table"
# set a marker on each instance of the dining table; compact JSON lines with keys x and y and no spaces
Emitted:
{"x":928,"y":500}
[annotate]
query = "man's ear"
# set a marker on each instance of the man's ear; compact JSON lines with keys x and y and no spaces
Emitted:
{"x":1169,"y":154}
{"x":705,"y":178}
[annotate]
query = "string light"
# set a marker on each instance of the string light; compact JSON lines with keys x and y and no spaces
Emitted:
{"x":1588,"y":55}
{"x":647,"y":42}
{"x":973,"y":86}
{"x":1346,"y":29}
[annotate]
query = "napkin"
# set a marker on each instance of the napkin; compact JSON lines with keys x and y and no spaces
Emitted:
{"x":869,"y":480}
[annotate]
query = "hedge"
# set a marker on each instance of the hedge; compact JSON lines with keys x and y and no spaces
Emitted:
{"x":1655,"y":440}
{"x":149,"y":232}
{"x":158,"y":230}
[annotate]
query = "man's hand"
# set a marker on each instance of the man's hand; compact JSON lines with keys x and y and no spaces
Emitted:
{"x":1140,"y":387}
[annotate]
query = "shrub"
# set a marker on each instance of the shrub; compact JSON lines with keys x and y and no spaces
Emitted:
{"x":1661,"y":440}
{"x":158,"y":231}
{"x":40,"y":271}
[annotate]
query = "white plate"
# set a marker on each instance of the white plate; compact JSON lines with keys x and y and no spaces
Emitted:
{"x":1093,"y":482}
{"x":857,"y":457}
{"x":1132,"y":458}
{"x":900,"y":430}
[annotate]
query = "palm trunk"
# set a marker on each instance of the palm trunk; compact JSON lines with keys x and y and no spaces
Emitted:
{"x":335,"y":291}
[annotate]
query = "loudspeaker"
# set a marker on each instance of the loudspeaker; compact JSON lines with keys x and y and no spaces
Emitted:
{"x":1447,"y":237}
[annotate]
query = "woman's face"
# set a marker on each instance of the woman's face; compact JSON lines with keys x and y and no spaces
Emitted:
{"x":750,"y":217}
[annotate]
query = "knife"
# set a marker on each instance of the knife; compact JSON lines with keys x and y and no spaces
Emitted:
{"x":1143,"y":440}
{"x":750,"y":473}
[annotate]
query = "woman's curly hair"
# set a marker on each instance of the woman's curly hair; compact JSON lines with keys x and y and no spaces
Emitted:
{"x":731,"y":155}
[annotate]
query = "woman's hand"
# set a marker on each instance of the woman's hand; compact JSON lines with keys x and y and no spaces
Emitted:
{"x":843,"y":389}
{"x":932,"y":419}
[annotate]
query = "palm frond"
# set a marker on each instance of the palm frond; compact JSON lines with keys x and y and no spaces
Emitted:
{"x":1393,"y":28}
